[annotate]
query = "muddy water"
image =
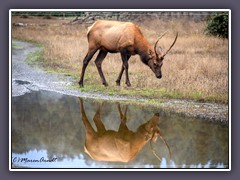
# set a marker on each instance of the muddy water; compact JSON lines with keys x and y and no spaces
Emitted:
{"x":49,"y":130}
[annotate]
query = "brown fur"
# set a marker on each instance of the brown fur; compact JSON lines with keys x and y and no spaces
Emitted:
{"x":120,"y":35}
{"x":125,"y":38}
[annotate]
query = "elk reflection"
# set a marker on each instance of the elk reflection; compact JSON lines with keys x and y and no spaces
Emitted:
{"x":120,"y":146}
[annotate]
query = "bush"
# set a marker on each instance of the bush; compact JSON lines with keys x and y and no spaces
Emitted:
{"x":217,"y":24}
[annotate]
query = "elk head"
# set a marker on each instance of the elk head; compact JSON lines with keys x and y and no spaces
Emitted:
{"x":156,"y":59}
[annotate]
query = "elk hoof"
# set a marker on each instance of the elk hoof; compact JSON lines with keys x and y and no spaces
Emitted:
{"x":105,"y":84}
{"x":118,"y":83}
{"x":80,"y":84}
{"x":128,"y":84}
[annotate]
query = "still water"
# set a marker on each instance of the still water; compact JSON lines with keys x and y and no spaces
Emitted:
{"x":51,"y":130}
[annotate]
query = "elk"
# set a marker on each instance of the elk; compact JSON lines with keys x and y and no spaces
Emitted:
{"x":125,"y":38}
{"x":120,"y":146}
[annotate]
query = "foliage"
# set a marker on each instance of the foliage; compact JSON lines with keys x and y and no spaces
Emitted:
{"x":217,"y":24}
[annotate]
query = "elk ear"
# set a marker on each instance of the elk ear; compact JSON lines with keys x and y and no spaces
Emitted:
{"x":159,"y":50}
{"x":150,"y":53}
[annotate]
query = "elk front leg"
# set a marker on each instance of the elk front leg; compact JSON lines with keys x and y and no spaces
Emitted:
{"x":102,"y":54}
{"x":120,"y":76}
{"x":125,"y":59}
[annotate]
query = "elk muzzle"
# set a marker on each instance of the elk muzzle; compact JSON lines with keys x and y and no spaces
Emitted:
{"x":158,"y":72}
{"x":159,"y":76}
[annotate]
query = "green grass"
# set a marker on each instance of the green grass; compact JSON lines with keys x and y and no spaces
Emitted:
{"x":58,"y":71}
{"x":154,"y":96}
{"x":17,"y":46}
{"x":34,"y":57}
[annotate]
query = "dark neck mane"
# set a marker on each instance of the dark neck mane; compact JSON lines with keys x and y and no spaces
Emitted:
{"x":142,"y":48}
{"x":144,"y":57}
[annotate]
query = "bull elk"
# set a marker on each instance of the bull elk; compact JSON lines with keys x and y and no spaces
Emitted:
{"x":126,"y":38}
{"x":120,"y":146}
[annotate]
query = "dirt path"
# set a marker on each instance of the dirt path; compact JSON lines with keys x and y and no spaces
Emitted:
{"x":26,"y":79}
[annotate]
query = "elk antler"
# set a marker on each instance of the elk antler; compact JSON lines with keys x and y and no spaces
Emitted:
{"x":155,"y":46}
{"x":171,"y":45}
{"x":169,"y":151}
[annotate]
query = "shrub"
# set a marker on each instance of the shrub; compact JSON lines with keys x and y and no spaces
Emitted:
{"x":217,"y":24}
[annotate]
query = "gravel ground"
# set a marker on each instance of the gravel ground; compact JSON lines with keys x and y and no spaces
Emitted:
{"x":26,"y":79}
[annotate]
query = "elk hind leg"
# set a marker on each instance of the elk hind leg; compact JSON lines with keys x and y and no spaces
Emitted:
{"x":88,"y":126}
{"x":86,"y":60}
{"x":102,"y":54}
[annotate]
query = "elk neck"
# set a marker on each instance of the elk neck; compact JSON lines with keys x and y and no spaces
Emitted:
{"x":145,"y":57}
{"x":143,"y":49}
